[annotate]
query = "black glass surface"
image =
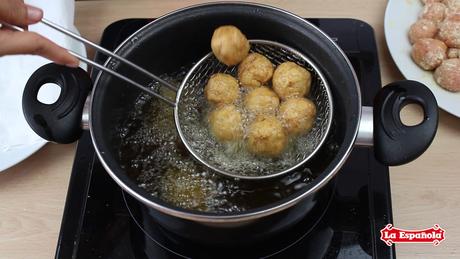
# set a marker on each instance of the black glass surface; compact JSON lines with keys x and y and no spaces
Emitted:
{"x":97,"y":222}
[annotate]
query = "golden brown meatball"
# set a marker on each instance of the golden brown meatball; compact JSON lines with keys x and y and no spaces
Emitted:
{"x":429,"y":53}
{"x":298,"y":115}
{"x":226,"y":123}
{"x":229,"y":45}
{"x":449,"y":31}
{"x":447,"y":75}
{"x":255,"y":70}
{"x":434,"y":11}
{"x":421,"y":29}
{"x":291,"y":80}
{"x":262,"y":100}
{"x":266,"y":136}
{"x":453,"y":53}
{"x":222,"y":89}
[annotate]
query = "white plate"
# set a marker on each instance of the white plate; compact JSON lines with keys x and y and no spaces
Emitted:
{"x":399,"y":16}
{"x":10,"y":155}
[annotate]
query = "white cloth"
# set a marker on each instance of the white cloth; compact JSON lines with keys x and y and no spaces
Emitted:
{"x":16,"y":70}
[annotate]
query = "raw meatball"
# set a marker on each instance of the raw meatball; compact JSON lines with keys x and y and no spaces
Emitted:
{"x":449,"y":31}
{"x":291,"y":80}
{"x":229,"y":45}
{"x":453,"y":16}
{"x":429,"y":53}
{"x":453,"y":53}
{"x":452,"y":5}
{"x":255,"y":70}
{"x":266,"y":137}
{"x":226,"y":123}
{"x":421,"y":29}
{"x":448,"y":75}
{"x":262,"y":100}
{"x":431,"y":1}
{"x":298,"y":115}
{"x":222,"y":89}
{"x":434,"y":11}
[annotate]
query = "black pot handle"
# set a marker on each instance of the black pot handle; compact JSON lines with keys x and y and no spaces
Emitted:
{"x":394,"y":142}
{"x":61,"y":121}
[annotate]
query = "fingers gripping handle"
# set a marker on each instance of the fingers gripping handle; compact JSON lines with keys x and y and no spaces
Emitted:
{"x":58,"y":122}
{"x":394,"y":142}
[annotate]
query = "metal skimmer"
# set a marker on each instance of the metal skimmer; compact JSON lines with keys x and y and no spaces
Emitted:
{"x":191,"y":115}
{"x":190,"y":110}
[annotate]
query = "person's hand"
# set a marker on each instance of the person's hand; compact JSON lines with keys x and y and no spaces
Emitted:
{"x":13,"y":42}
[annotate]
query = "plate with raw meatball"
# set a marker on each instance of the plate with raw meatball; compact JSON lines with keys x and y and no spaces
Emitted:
{"x":424,"y":40}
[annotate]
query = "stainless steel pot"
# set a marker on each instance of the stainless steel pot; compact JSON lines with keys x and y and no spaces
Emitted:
{"x":182,"y":37}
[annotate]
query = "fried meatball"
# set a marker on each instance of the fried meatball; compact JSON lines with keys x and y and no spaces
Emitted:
{"x":255,"y":70}
{"x":226,"y":123}
{"x":453,"y":53}
{"x":291,"y":80}
{"x":447,"y":75}
{"x":222,"y":89}
{"x":429,"y":53}
{"x":262,"y":100}
{"x":229,"y":45}
{"x":298,"y":115}
{"x":449,"y":31}
{"x":421,"y":29}
{"x":434,"y":11}
{"x":266,"y":136}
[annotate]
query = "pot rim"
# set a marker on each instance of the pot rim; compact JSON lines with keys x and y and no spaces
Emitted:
{"x":189,"y":215}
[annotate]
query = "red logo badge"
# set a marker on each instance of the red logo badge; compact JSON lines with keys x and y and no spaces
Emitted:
{"x":391,"y":235}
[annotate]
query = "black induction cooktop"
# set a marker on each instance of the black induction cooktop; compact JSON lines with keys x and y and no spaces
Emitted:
{"x":97,"y":223}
